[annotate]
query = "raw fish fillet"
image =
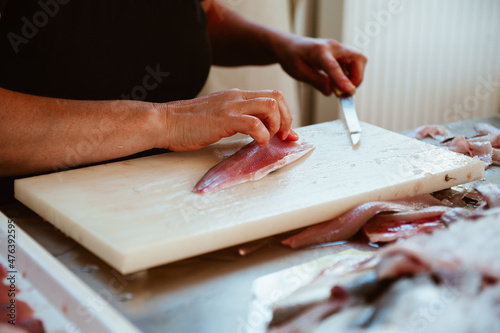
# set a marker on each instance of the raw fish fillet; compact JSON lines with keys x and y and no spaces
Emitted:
{"x":470,"y":242}
{"x":482,"y":147}
{"x":391,"y":227}
{"x":485,"y":146}
{"x":437,"y":132}
{"x":491,"y":193}
{"x":484,"y":128}
{"x":348,"y":224}
{"x":251,"y":162}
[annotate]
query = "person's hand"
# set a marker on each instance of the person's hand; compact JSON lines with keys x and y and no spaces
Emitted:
{"x":323,"y":63}
{"x":196,"y":123}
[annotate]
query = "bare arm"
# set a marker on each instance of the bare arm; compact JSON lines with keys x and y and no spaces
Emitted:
{"x":40,"y":134}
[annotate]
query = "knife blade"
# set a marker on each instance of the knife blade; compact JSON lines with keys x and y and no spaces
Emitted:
{"x":350,"y":115}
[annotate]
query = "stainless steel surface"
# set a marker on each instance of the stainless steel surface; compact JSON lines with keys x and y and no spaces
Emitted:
{"x":351,"y":118}
{"x":208,"y":293}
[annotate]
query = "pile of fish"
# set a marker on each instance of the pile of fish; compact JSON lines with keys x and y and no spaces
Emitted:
{"x":447,"y":281}
{"x":380,"y":221}
{"x":485,"y":146}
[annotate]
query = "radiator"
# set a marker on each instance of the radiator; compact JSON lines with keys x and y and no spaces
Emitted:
{"x":430,"y":61}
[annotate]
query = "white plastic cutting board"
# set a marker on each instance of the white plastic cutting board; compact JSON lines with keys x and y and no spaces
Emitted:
{"x":141,"y":213}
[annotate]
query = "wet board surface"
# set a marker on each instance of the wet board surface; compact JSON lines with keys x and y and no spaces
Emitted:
{"x":141,"y":213}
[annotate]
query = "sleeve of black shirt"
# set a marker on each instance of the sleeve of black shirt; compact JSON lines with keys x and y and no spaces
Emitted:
{"x":2,"y":5}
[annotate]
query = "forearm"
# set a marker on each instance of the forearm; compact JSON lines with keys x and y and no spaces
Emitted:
{"x":237,"y":41}
{"x":39,"y":134}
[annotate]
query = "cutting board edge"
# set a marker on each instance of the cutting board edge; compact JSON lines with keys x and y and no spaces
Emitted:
{"x":126,"y":263}
{"x":136,"y":260}
{"x":76,"y":232}
{"x":281,"y":224}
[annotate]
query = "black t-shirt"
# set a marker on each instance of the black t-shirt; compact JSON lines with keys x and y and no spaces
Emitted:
{"x":153,"y":50}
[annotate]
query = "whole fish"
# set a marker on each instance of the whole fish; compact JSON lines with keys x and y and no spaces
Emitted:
{"x":251,"y":162}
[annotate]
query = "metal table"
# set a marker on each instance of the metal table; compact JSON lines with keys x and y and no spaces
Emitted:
{"x":208,"y":293}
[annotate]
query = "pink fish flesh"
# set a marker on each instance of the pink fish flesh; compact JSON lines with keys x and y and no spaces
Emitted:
{"x":459,"y":144}
{"x":483,"y":128}
{"x":491,"y":193}
{"x":348,"y":224}
{"x":480,"y":147}
{"x":485,"y":146}
{"x":493,"y":138}
{"x":455,"y":214}
{"x":251,"y":162}
{"x":472,"y":242}
{"x":391,"y":227}
{"x":455,"y":267}
{"x":437,"y":132}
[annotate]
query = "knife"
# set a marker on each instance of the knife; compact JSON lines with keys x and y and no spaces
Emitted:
{"x":351,"y":118}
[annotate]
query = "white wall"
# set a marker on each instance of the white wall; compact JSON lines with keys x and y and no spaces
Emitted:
{"x":430,"y":61}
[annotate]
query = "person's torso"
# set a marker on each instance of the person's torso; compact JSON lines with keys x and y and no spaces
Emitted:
{"x":155,"y":50}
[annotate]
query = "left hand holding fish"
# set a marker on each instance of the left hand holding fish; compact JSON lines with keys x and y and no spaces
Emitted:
{"x":196,"y":123}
